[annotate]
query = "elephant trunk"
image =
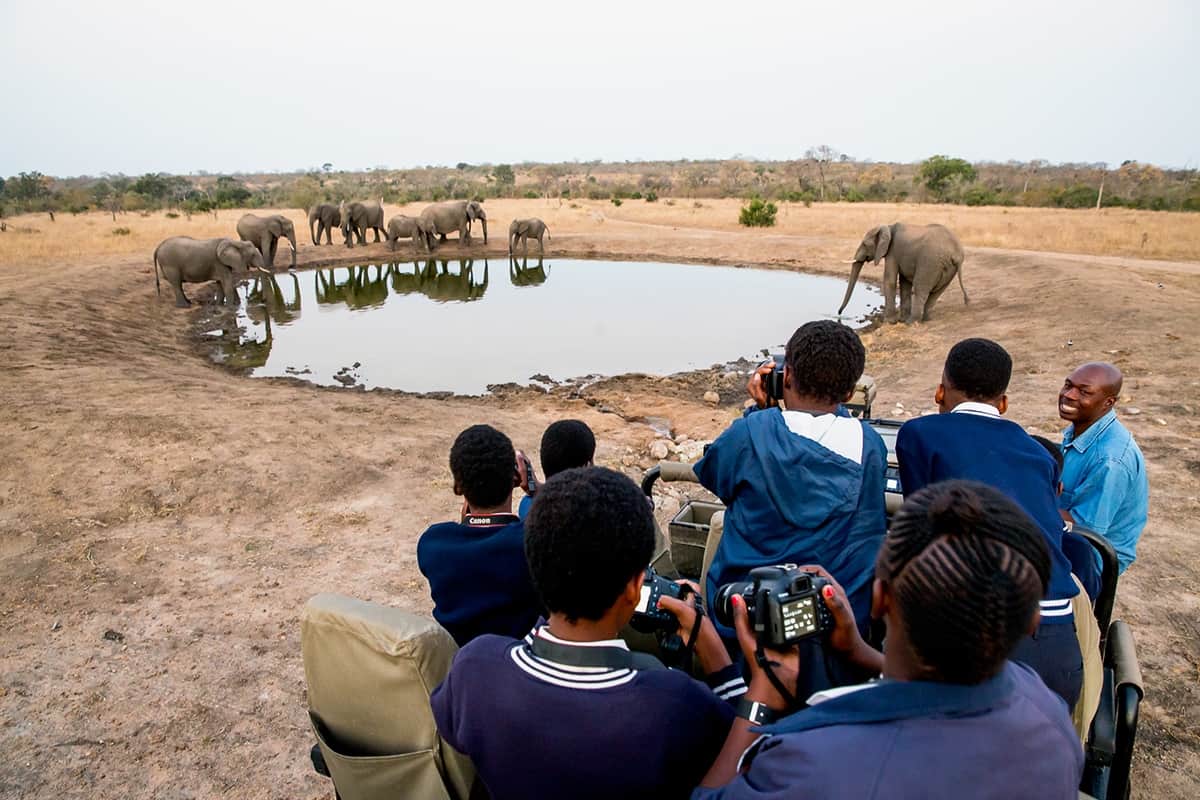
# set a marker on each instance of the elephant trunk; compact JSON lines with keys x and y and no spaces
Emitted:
{"x":854,"y":270}
{"x":483,"y":222}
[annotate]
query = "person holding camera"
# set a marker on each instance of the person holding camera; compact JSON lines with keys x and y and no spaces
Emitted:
{"x":971,"y":440}
{"x":566,"y":443}
{"x":951,"y":715}
{"x":570,"y":711}
{"x":802,"y":484}
{"x":476,"y":567}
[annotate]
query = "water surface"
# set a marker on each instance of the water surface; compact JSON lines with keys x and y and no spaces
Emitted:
{"x":463,"y":325}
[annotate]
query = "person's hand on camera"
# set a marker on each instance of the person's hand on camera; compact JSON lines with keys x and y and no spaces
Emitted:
{"x":524,"y":473}
{"x":845,"y":636}
{"x":784,"y":663}
{"x":755,"y":387}
{"x":709,"y":650}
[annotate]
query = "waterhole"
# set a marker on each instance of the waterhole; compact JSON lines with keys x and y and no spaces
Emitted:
{"x":462,"y":325}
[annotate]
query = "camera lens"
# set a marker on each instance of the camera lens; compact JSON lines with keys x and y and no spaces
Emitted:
{"x":723,"y":605}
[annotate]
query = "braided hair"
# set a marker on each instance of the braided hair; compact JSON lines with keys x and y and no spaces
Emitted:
{"x":967,"y":568}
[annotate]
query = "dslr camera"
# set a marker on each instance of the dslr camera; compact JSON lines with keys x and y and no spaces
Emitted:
{"x":773,"y":380}
{"x":647,"y":616}
{"x":784,"y":604}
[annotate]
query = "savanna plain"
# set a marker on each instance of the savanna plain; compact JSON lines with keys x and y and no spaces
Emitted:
{"x":163,"y":520}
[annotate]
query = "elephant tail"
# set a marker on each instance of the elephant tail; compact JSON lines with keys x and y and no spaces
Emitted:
{"x":966,"y":300}
{"x":157,"y":284}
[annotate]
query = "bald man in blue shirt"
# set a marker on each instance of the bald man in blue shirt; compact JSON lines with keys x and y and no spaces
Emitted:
{"x":1104,"y":476}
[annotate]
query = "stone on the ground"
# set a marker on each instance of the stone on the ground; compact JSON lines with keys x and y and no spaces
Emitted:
{"x":712,"y":398}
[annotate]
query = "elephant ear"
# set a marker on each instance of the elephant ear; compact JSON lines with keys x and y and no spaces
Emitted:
{"x":883,"y":242}
{"x":276,"y":227}
{"x":229,"y":254}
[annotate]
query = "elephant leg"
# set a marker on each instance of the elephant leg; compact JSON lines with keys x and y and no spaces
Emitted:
{"x":932,"y":301}
{"x":274,"y":248}
{"x":181,"y":300}
{"x":891,"y":275}
{"x":376,"y":229}
{"x":541,"y":247}
{"x":905,"y":298}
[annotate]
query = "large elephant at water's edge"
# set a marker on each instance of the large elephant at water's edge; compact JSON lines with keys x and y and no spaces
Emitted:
{"x":919,"y":260}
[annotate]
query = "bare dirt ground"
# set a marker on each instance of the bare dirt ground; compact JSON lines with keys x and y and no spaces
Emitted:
{"x":162,"y":521}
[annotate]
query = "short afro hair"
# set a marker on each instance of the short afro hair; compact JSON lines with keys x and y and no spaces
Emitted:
{"x":827,"y":359}
{"x":590,"y":531}
{"x":979,"y":368}
{"x":566,"y":444}
{"x":484,"y":464}
{"x":1052,"y":449}
{"x":967,"y":568}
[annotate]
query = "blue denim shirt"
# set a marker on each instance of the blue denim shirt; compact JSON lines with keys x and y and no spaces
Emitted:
{"x":1104,"y":484}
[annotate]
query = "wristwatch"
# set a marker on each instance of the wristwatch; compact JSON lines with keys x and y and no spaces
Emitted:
{"x":756,"y":713}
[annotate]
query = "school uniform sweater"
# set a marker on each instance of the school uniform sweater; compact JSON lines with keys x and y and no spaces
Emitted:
{"x":1007,"y":737}
{"x":538,"y":727}
{"x":975,"y":443}
{"x":478,"y":577}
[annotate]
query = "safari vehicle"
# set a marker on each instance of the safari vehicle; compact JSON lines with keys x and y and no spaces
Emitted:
{"x":370,"y":669}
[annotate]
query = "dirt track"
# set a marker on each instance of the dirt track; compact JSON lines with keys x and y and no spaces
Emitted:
{"x":191,"y":512}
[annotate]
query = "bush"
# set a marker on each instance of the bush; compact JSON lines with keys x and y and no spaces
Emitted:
{"x":853,"y":195}
{"x":530,"y":194}
{"x":121,"y":231}
{"x":616,"y":201}
{"x":980,"y":196}
{"x":172,"y":215}
{"x":758,"y":214}
{"x":652,"y":197}
{"x":635,"y":196}
{"x":1077,"y":196}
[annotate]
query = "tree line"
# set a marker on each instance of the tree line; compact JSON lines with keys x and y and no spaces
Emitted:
{"x":822,"y":175}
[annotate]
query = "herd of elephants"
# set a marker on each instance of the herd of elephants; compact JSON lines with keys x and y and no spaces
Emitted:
{"x":920,"y":261}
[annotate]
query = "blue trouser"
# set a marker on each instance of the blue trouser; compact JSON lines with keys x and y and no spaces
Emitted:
{"x":1053,"y":653}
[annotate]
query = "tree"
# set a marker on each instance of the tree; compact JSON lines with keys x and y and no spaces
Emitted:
{"x":822,"y":155}
{"x":938,"y":172}
{"x":327,"y":167}
{"x":504,"y":175}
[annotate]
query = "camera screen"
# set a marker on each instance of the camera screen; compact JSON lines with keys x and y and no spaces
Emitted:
{"x":644,"y":600}
{"x":799,"y":617}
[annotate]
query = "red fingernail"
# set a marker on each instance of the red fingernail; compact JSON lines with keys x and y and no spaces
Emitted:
{"x":827,"y":592}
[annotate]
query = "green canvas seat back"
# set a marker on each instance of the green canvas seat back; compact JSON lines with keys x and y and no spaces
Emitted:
{"x":370,"y":670}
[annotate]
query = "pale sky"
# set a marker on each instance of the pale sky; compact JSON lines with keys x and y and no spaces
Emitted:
{"x":133,"y":87}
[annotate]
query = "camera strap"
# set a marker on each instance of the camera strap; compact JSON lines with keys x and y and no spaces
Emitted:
{"x":489,"y":520}
{"x":594,"y":657}
{"x":760,"y":657}
{"x":675,"y":651}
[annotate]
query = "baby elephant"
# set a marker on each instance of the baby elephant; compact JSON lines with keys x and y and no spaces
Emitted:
{"x":183,"y":259}
{"x":522,"y":229}
{"x":403,"y":227}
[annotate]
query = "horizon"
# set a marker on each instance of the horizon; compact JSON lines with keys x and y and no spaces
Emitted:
{"x":237,"y":89}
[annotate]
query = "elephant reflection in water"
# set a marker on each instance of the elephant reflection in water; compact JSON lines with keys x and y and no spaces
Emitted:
{"x":360,"y":289}
{"x":524,"y":275}
{"x":437,"y":282}
{"x":265,"y":303}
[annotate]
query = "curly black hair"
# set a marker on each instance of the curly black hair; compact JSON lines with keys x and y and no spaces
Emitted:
{"x":827,"y":359}
{"x":979,"y":368}
{"x":967,"y":567}
{"x":590,"y":531}
{"x":1053,"y":449}
{"x":484,"y":464}
{"x":567,"y":443}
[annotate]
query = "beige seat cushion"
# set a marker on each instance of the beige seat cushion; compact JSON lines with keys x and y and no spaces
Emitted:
{"x":370,"y":670}
{"x":1087,"y":630}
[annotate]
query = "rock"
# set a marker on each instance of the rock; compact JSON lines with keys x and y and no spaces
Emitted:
{"x":356,"y":365}
{"x":712,"y":398}
{"x":1133,"y":411}
{"x":56,"y":625}
{"x":1160,"y":421}
{"x":114,"y":636}
{"x":669,"y":506}
{"x":690,"y":451}
{"x":659,"y":450}
{"x":345,"y":380}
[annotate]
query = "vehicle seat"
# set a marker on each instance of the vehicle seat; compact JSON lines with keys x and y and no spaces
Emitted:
{"x":370,"y":670}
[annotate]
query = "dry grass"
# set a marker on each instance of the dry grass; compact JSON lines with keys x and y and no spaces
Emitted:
{"x":1118,"y":232}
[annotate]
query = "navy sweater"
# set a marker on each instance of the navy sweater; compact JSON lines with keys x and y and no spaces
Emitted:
{"x":999,"y":453}
{"x":536,"y":728}
{"x":479,"y":578}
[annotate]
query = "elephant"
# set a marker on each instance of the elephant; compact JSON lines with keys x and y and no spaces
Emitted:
{"x":922,"y":259}
{"x":264,"y":233}
{"x":524,"y":275}
{"x":357,"y":218}
{"x":326,"y":216}
{"x":183,"y":259}
{"x":455,"y":215}
{"x":521,"y":229}
{"x":415,"y":228}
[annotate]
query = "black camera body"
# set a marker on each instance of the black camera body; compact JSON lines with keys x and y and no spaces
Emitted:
{"x":784,"y":603}
{"x":648,"y":617}
{"x":773,"y":381}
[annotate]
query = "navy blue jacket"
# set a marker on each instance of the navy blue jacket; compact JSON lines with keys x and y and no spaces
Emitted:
{"x":999,"y":453}
{"x":535,"y":728}
{"x":479,"y":578}
{"x":791,"y":500}
{"x":1007,"y":737}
